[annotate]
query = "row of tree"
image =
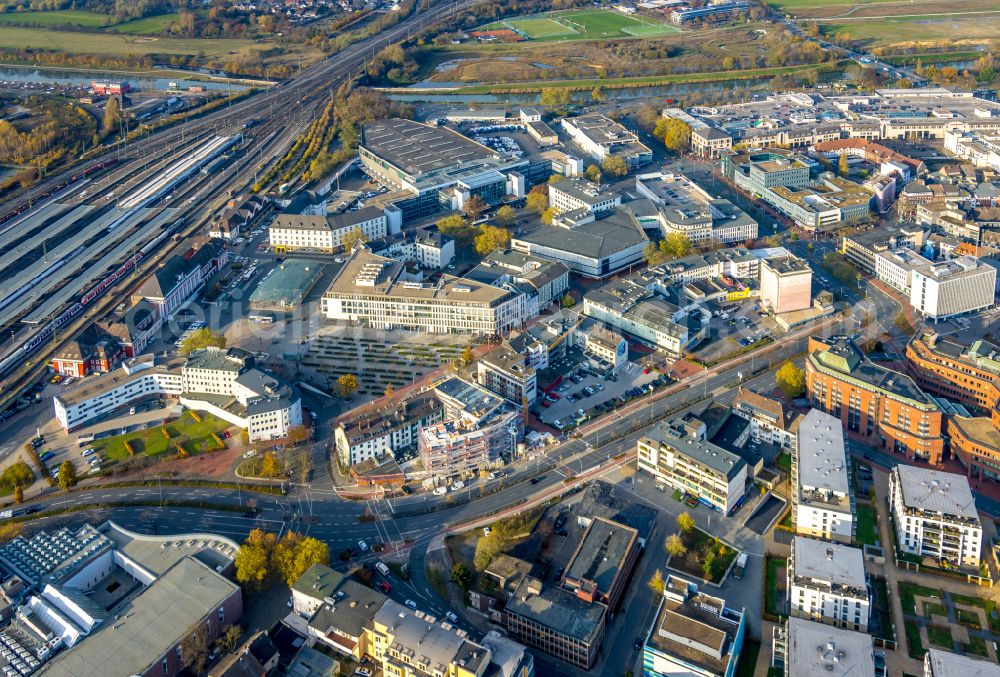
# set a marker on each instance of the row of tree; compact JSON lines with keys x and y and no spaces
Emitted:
{"x":264,"y":558}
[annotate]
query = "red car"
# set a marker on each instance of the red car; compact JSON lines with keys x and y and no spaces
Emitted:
{"x":386,"y":588}
{"x":546,"y":404}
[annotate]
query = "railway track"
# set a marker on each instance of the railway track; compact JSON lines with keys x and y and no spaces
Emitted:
{"x":310,"y":89}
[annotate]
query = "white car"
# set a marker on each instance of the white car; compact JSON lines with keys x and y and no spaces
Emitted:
{"x":452,"y":617}
{"x":363,"y":546}
{"x":410,"y":603}
{"x":440,"y":491}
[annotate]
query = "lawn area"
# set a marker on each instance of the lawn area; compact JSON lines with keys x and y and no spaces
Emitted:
{"x":700,"y":549}
{"x":913,"y":645}
{"x":932,"y":609}
{"x":907,"y":592}
{"x":120,"y":45}
{"x":867,"y":534}
{"x":939,"y":636}
{"x":966,"y":617}
{"x":938,"y":29}
{"x":748,"y":658}
{"x":784,"y":461}
{"x":587,"y":24}
{"x":988,"y":605}
{"x":772,"y":567}
{"x":976,"y":647}
{"x":150,"y":25}
{"x":194,"y":436}
{"x":62,"y":17}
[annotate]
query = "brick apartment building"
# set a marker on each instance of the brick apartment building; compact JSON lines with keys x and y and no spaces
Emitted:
{"x":885,"y":408}
{"x":970,"y":375}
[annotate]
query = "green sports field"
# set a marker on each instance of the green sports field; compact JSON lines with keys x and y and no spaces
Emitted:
{"x":63,"y":17}
{"x":588,"y":24}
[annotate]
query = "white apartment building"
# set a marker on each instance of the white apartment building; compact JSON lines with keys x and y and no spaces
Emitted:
{"x":572,"y":194}
{"x":944,"y":289}
{"x":809,"y":649}
{"x":104,"y":394}
{"x":429,"y":249}
{"x":373,"y":432}
{"x":822,"y":503}
{"x":827,"y":583}
{"x":940,"y":663}
{"x":375,"y":291}
{"x":679,"y":456}
{"x":324,"y":233}
{"x":224,"y":383}
{"x":770,"y":421}
{"x":507,"y":373}
{"x":935,"y":515}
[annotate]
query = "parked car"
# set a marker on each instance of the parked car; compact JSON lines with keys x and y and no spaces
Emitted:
{"x":411,"y":604}
{"x":363,"y":546}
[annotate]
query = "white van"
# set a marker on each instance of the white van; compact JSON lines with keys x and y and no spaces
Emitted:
{"x":440,"y":491}
{"x":458,"y":485}
{"x":382,"y":568}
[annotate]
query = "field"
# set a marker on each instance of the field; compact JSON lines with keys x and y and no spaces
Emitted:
{"x":587,"y":24}
{"x":151,"y":25}
{"x":943,"y":30}
{"x":62,"y":17}
{"x":121,"y":45}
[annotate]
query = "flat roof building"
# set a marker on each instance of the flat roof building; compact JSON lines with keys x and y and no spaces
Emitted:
{"x":693,"y":634}
{"x":822,"y":501}
{"x":688,"y":209}
{"x":827,"y":583}
{"x":809,"y":648}
{"x":603,"y":562}
{"x":601,"y":137}
{"x":785,"y":284}
{"x":935,"y":515}
{"x":375,"y":291}
{"x":679,"y":455}
{"x":939,"y":663}
{"x":557,"y":622}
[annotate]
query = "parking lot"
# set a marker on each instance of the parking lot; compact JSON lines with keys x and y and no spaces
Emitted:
{"x":584,"y":393}
{"x":737,"y":325}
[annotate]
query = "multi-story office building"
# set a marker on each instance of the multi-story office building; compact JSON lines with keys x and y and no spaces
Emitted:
{"x":429,"y":249}
{"x":631,"y":308}
{"x":694,"y":634}
{"x":826,"y":203}
{"x":479,"y":430}
{"x":550,"y":279}
{"x":602,"y":137}
{"x":785,"y":284}
{"x":770,"y":421}
{"x":679,"y":456}
{"x":572,"y":194}
{"x":600,"y":567}
{"x":375,"y":431}
{"x":374,"y":291}
{"x":884,"y":407}
{"x":827,"y":583}
{"x":822,"y":502}
{"x":943,"y":289}
{"x":507,"y":373}
{"x":707,"y":140}
{"x":322,"y":233}
{"x":686,"y":208}
{"x":863,"y":247}
{"x":935,"y":515}
{"x":969,"y":374}
{"x":557,"y":622}
{"x":758,"y":173}
{"x":940,"y":663}
{"x":804,"y":647}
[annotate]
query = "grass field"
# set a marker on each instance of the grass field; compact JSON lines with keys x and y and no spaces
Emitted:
{"x":120,"y":45}
{"x":194,"y":436}
{"x":588,"y":24}
{"x":905,"y":29}
{"x":62,"y":17}
{"x":151,"y":25}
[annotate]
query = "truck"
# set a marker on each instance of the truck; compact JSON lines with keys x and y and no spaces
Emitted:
{"x":741,"y":565}
{"x":382,"y":568}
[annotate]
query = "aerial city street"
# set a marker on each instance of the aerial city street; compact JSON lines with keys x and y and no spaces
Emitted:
{"x":467,"y":338}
